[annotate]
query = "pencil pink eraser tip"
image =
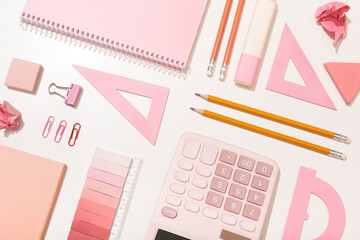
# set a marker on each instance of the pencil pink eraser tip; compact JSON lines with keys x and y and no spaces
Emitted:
{"x":23,"y":75}
{"x":247,"y":69}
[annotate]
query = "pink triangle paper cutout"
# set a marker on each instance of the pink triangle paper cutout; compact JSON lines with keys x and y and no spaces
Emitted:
{"x":346,"y":77}
{"x":313,"y":92}
{"x":108,"y":85}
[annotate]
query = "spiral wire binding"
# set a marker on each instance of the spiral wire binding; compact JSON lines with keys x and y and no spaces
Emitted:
{"x":100,"y":44}
{"x":125,"y":199}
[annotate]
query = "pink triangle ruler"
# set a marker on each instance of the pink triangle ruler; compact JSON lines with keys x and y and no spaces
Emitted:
{"x":313,"y":92}
{"x":108,"y":85}
{"x":346,"y":77}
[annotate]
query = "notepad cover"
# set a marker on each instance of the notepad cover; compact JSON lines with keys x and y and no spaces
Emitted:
{"x":164,"y":29}
{"x":29,"y":186}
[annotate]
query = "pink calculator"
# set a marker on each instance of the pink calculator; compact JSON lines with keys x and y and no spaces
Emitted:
{"x":214,"y":190}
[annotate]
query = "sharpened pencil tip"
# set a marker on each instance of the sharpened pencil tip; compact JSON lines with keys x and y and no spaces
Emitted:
{"x":192,"y":108}
{"x":197,"y":94}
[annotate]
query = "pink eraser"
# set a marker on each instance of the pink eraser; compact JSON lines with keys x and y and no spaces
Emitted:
{"x":247,"y":69}
{"x":23,"y":75}
{"x":346,"y":77}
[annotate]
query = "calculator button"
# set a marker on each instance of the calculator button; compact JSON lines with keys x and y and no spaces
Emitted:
{"x":219,"y":185}
{"x":256,"y":197}
{"x":173,"y":200}
{"x":203,"y":171}
{"x":232,"y":205}
{"x":177,"y":188}
{"x":246,"y":163}
{"x":242,"y":177}
{"x":195,"y":194}
{"x":228,"y":219}
{"x":191,"y":148}
{"x":209,"y":154}
{"x":197,"y":182}
{"x":247,"y":226}
{"x":169,"y":212}
{"x":237,"y":191}
{"x":214,"y":199}
{"x":251,"y":212}
{"x":260,"y":183}
{"x":210,"y":213}
{"x":186,"y":165}
{"x":264,"y":169}
{"x":182,"y":177}
{"x":228,"y":157}
{"x":192,"y":207}
{"x":223,"y":170}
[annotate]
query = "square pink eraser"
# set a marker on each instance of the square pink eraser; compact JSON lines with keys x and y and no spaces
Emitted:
{"x":23,"y":75}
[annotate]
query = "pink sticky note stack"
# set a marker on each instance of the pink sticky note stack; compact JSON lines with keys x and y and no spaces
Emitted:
{"x":23,"y":75}
{"x":104,"y":197}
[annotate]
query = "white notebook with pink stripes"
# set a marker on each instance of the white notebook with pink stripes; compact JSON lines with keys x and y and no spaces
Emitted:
{"x":162,"y":32}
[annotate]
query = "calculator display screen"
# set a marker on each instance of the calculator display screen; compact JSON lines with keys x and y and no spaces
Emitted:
{"x":164,"y":235}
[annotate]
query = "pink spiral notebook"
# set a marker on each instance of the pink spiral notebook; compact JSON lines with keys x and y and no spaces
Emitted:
{"x":162,"y":32}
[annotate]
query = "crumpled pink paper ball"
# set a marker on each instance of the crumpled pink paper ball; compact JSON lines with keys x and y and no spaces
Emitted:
{"x":10,"y":118}
{"x":333,"y":19}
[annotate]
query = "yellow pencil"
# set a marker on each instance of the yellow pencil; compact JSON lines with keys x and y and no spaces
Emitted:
{"x":276,"y":118}
{"x":269,"y":133}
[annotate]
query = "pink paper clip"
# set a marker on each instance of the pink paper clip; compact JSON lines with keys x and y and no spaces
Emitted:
{"x":61,"y":130}
{"x":76,"y":130}
{"x":48,"y":126}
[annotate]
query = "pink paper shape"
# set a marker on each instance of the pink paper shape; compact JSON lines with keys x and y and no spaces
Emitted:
{"x":10,"y":118}
{"x":307,"y":184}
{"x":346,"y":77}
{"x":314,"y":91}
{"x":333,"y":19}
{"x":109,"y":84}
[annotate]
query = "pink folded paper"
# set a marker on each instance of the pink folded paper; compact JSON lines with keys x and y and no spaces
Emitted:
{"x":9,"y":117}
{"x":333,"y":19}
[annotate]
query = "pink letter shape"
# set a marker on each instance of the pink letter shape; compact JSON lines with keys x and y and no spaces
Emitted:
{"x":306,"y":184}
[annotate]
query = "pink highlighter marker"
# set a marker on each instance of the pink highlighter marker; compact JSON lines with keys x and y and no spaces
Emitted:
{"x":257,"y":35}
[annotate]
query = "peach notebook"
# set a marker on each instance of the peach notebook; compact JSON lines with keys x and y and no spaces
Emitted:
{"x":29,"y":186}
{"x":160,"y":31}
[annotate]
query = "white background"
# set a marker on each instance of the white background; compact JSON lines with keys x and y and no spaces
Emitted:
{"x":103,"y":125}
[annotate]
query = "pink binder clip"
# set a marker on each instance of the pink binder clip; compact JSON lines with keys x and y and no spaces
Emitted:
{"x":48,"y":126}
{"x":76,"y":131}
{"x":72,"y":96}
{"x":61,"y":130}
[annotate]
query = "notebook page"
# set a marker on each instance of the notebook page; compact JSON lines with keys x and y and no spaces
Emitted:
{"x":164,"y":27}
